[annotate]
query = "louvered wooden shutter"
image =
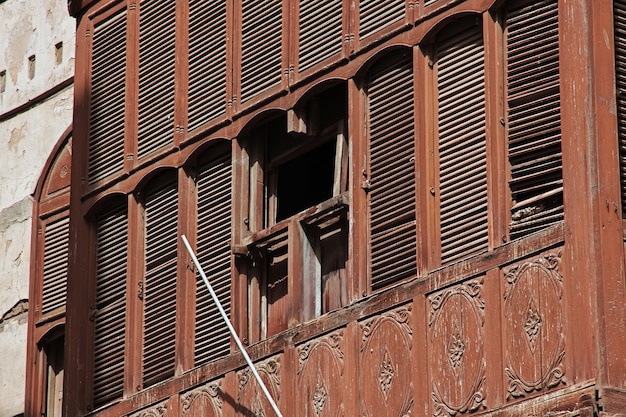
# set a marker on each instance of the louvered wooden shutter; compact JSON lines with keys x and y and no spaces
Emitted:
{"x":55,"y":262}
{"x":110,"y":318}
{"x":261,"y":46}
{"x":321,"y":32}
{"x":161,"y":210}
{"x":213,"y":249}
{"x":207,"y":61}
{"x":462,"y":146}
{"x":392,"y":170}
{"x":157,"y":24}
{"x":619,"y":15}
{"x":534,"y":120}
{"x":376,"y":15}
{"x":108,"y":86}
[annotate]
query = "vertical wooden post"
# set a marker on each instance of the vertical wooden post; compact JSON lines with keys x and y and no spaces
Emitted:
{"x":593,"y":261}
{"x":611,"y":301}
{"x":357,"y":241}
{"x":77,"y":312}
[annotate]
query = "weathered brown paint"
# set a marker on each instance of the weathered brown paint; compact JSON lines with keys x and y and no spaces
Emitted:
{"x":410,"y":313}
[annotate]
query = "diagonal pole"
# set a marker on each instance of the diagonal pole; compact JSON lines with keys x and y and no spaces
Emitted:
{"x":230,"y":327}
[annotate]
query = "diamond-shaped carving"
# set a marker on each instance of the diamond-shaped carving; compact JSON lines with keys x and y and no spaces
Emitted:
{"x":386,"y":373}
{"x":533,"y":323}
{"x":456,"y":347}
{"x":319,"y":396}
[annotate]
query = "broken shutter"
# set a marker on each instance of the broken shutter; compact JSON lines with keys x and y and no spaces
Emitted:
{"x":320,"y":31}
{"x":110,"y":317}
{"x":207,"y":61}
{"x":619,"y":15}
{"x":161,"y":211}
{"x":261,"y":46}
{"x":213,"y":248}
{"x":534,"y":120}
{"x":157,"y":27}
{"x":108,"y":86}
{"x":55,"y":262}
{"x":376,"y":15}
{"x":392,"y":170}
{"x":462,"y":146}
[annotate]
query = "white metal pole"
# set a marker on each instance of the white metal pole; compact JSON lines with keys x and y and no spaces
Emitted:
{"x":231,"y":328}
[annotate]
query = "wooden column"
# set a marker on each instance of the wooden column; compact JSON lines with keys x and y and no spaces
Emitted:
{"x":593,"y":259}
{"x":611,"y":296}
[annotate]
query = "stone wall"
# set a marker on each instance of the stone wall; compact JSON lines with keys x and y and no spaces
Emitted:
{"x":36,"y":96}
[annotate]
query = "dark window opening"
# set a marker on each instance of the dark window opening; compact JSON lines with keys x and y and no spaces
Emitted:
{"x":298,"y":193}
{"x":54,"y":376}
{"x":305,"y":181}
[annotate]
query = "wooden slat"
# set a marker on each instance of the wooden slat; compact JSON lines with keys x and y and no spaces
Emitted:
{"x":262,"y":45}
{"x":376,"y":15}
{"x":157,"y":25}
{"x":110,"y":338}
{"x":619,"y":16}
{"x":161,"y":211}
{"x":212,"y":339}
{"x":55,"y":260}
{"x":534,"y":119}
{"x":462,"y":145}
{"x":207,"y":61}
{"x":392,"y":170}
{"x":320,"y":31}
{"x":108,"y":86}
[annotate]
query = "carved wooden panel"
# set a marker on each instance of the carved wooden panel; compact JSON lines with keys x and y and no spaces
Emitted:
{"x":320,"y":377}
{"x":154,"y":411}
{"x":385,"y":365}
{"x":251,"y":401}
{"x":533,"y":325}
{"x":205,"y":401}
{"x":456,"y":348}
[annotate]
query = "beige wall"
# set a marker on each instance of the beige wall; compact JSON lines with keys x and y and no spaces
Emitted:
{"x":26,"y":139}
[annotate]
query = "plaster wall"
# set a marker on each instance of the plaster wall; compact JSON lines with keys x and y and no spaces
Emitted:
{"x":29,"y":129}
{"x":36,"y":29}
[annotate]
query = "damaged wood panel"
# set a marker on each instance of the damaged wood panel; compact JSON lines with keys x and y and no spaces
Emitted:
{"x":320,"y":378}
{"x":456,"y":349}
{"x":385,"y":364}
{"x":534,"y":339}
{"x":251,"y":401}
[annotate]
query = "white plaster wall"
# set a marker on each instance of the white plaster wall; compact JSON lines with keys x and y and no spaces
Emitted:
{"x":27,"y":27}
{"x":31,"y":27}
{"x":12,"y":369}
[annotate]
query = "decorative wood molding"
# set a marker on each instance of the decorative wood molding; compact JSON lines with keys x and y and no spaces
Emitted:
{"x":471,"y":290}
{"x":271,"y":368}
{"x":158,"y":411}
{"x":210,"y":391}
{"x":400,"y":318}
{"x":533,"y":322}
{"x":332,"y":342}
{"x":456,"y":345}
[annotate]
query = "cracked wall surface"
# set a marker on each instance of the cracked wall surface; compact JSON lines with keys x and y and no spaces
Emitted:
{"x":36,"y":55}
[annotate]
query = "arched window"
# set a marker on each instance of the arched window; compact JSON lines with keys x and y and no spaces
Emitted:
{"x":213,"y":235}
{"x":459,"y":82}
{"x":111,"y":265}
{"x":48,"y":283}
{"x":160,"y":202}
{"x":391,"y":172}
{"x":534,"y":116}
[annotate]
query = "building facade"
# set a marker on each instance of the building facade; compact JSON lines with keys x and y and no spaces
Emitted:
{"x":407,"y":208}
{"x":36,"y":96}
